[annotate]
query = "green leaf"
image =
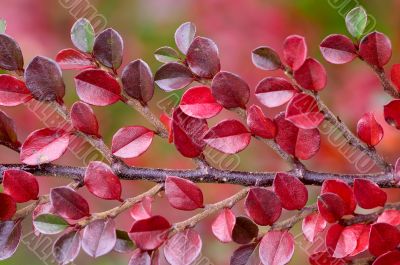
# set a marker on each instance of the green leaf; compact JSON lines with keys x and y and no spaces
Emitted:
{"x":82,"y":35}
{"x":3,"y":26}
{"x":166,"y":55}
{"x":50,"y":224}
{"x":356,"y":21}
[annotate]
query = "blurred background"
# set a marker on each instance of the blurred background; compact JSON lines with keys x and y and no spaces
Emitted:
{"x":42,"y":28}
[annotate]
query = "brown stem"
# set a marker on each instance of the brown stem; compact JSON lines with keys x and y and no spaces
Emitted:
{"x":386,"y":84}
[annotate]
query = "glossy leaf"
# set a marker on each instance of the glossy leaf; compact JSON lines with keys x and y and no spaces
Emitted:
{"x":383,"y":238}
{"x":291,"y":191}
{"x":68,"y":203}
{"x":97,"y":87}
{"x":331,"y":207}
{"x":166,"y":55}
{"x":263,"y":206}
{"x":294,"y":51}
{"x":198,"y":102}
{"x":108,"y":48}
{"x":101,"y":181}
{"x":137,"y":81}
{"x":20,"y":185}
{"x":184,"y":36}
{"x":368,"y":194}
{"x":362,"y":234}
{"x":300,"y":143}
{"x":44,"y":146}
{"x":222,"y":226}
{"x":391,"y":113}
{"x":338,"y":49}
{"x":230,"y":90}
{"x":376,"y":49}
{"x":83,"y":119}
{"x":10,"y":54}
{"x":183,"y":194}
{"x":183,"y":248}
{"x":244,"y":231}
{"x":274,"y":91}
{"x":82,"y":35}
{"x":340,"y":242}
{"x":228,"y":136}
{"x":202,"y":57}
{"x":8,"y":207}
{"x":99,"y":237}
{"x":44,"y":80}
{"x":49,"y":224}
{"x":149,"y":234}
{"x":142,"y":209}
{"x":8,"y":134}
{"x":369,"y":130}
{"x":356,"y":21}
{"x":311,"y":75}
{"x":70,"y":59}
{"x":395,"y":75}
{"x":140,"y":257}
{"x":303,"y":111}
{"x":131,"y":141}
{"x":123,"y":243}
{"x":259,"y":124}
{"x":173,"y":76}
{"x":343,"y":190}
{"x":10,"y":236}
{"x":390,"y":216}
{"x":66,"y":248}
{"x":188,"y":133}
{"x":391,"y":257}
{"x":13,"y":91}
{"x":276,"y":248}
{"x":312,"y":226}
{"x":266,"y":58}
{"x":242,"y":254}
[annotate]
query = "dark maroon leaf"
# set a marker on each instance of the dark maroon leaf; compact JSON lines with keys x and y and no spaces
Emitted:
{"x":242,"y":254}
{"x":99,"y":237}
{"x":71,"y":59}
{"x":123,"y":243}
{"x":311,"y":75}
{"x":8,"y":207}
{"x":173,"y":76}
{"x":10,"y":54}
{"x":331,"y":207}
{"x":66,"y":248}
{"x":43,"y":78}
{"x":259,"y":124}
{"x":13,"y":91}
{"x":149,"y":234}
{"x":68,"y":203}
{"x":183,"y":248}
{"x":263,"y":206}
{"x":230,"y":90}
{"x":83,"y":119}
{"x":8,"y":135}
{"x":228,"y":136}
{"x":383,"y":238}
{"x":391,"y":257}
{"x":312,"y":226}
{"x":291,"y":191}
{"x":198,"y":102}
{"x":142,"y":209}
{"x":97,"y":87}
{"x":108,"y":48}
{"x":10,"y":236}
{"x":266,"y":58}
{"x":294,"y":51}
{"x":244,"y":231}
{"x":274,"y":91}
{"x":137,"y":81}
{"x":223,"y":225}
{"x":369,"y":130}
{"x":131,"y":141}
{"x":368,"y":194}
{"x":340,"y":242}
{"x":303,"y":111}
{"x":202,"y":57}
{"x":140,"y":257}
{"x":183,"y":194}
{"x":343,"y":190}
{"x":184,"y":36}
{"x":276,"y":248}
{"x":376,"y":49}
{"x":338,"y":49}
{"x":20,"y":185}
{"x":44,"y":146}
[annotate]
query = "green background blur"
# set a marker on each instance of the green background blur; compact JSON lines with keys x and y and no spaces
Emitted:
{"x":237,"y":26}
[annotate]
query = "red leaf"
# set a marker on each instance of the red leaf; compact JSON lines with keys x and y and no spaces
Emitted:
{"x":183,"y":194}
{"x":276,"y":248}
{"x":323,"y":258}
{"x":202,"y":57}
{"x":266,"y":58}
{"x":311,"y":75}
{"x":71,"y":59}
{"x":389,"y":258}
{"x":10,"y":234}
{"x":230,"y":90}
{"x":183,"y":248}
{"x":142,"y":209}
{"x":369,"y":130}
{"x":376,"y":49}
{"x":300,"y":143}
{"x":44,"y":146}
{"x":188,"y":133}
{"x":274,"y":91}
{"x":390,"y":216}
{"x":343,"y":190}
{"x":10,"y":54}
{"x":184,"y":36}
{"x":362,"y":234}
{"x":8,"y":135}
{"x":340,"y":242}
{"x":259,"y":124}
{"x":97,"y":87}
{"x":68,"y":203}
{"x":291,"y":191}
{"x":150,"y":233}
{"x":108,"y":48}
{"x":312,"y":226}
{"x":13,"y":91}
{"x":66,"y":248}
{"x":99,"y":237}
{"x":263,"y":206}
{"x":331,"y":207}
{"x":167,"y":121}
{"x":140,"y":257}
{"x":8,"y":207}
{"x":242,"y":254}
{"x":223,"y":225}
{"x":198,"y":102}
{"x":244,"y":231}
{"x":84,"y":119}
{"x":391,"y":113}
{"x":228,"y":136}
{"x":395,"y":75}
{"x":383,"y":238}
{"x":101,"y":181}
{"x":368,"y":194}
{"x":338,"y":49}
{"x":303,"y":112}
{"x":20,"y":185}
{"x":294,"y":51}
{"x":131,"y":141}
{"x":173,"y":76}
